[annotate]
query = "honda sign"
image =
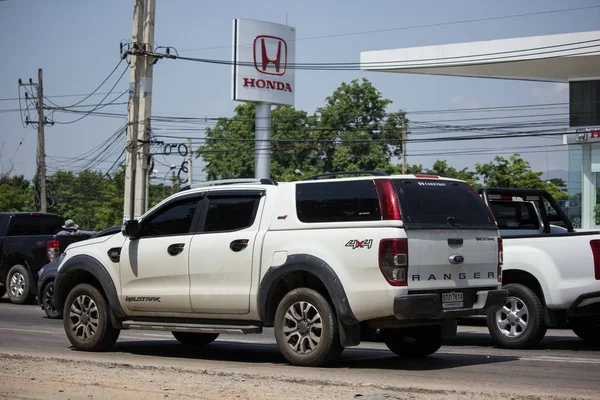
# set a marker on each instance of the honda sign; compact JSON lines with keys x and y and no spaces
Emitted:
{"x":263,"y":58}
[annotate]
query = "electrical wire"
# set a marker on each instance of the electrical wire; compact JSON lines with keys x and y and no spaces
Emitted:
{"x":420,"y":26}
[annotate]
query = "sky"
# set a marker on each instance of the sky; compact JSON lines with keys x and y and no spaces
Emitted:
{"x":76,"y":43}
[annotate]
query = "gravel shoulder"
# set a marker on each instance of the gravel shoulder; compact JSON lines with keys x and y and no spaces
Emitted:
{"x":35,"y":377}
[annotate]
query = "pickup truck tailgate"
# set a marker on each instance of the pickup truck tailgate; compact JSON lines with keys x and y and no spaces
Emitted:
{"x":452,"y":235}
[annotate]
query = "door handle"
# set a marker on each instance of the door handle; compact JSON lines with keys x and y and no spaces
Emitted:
{"x":175,"y":249}
{"x":239,"y":245}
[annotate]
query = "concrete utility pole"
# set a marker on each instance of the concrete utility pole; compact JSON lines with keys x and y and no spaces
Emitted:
{"x":142,"y":176}
{"x":41,"y":145}
{"x":136,"y":72}
{"x":262,"y":149}
{"x":41,"y":148}
{"x":404,"y":143}
{"x":190,"y":158}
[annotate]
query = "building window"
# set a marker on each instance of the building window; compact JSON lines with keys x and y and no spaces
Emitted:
{"x":584,"y":103}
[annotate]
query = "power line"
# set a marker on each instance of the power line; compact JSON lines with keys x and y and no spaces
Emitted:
{"x":420,"y":26}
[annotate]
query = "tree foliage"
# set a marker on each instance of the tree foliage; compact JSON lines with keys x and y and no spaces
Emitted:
{"x":351,"y":132}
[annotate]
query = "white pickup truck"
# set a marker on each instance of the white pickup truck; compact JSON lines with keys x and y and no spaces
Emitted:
{"x":551,"y":272}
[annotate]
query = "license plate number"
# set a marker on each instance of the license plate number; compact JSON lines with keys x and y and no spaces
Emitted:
{"x":452,"y":300}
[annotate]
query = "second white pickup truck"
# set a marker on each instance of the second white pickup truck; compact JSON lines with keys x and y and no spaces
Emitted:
{"x":552,"y":274}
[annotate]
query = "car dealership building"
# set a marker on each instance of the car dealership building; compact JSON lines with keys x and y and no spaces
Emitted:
{"x":572,"y":58}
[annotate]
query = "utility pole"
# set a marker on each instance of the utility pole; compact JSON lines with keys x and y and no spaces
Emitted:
{"x":136,"y":71}
{"x":403,"y":143}
{"x":190,"y":158}
{"x":41,"y":145}
{"x":41,"y":149}
{"x":142,"y":176}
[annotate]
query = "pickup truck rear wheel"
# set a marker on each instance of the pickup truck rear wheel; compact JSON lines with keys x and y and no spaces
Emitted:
{"x":306,"y":329}
{"x":19,"y":284}
{"x":520,"y":324}
{"x":194,"y":338}
{"x":87,"y":321}
{"x":587,"y":328}
{"x":413,"y":342}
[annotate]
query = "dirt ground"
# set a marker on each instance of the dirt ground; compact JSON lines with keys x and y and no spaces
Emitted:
{"x":49,"y":378}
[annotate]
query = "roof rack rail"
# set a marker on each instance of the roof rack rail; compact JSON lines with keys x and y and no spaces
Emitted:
{"x":329,"y":174}
{"x":229,"y":182}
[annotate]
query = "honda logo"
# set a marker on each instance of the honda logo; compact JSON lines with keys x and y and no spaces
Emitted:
{"x":270,"y":55}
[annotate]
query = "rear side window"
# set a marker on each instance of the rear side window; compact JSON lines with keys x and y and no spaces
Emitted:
{"x":230,"y":213}
{"x":515,"y":215}
{"x":337,"y":201}
{"x":31,"y":225}
{"x":440,"y":204}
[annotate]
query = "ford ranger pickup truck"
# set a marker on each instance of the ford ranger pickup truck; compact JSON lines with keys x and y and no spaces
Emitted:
{"x":314,"y":259}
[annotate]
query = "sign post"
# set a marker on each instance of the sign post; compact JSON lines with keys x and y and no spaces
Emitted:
{"x":263,"y":57}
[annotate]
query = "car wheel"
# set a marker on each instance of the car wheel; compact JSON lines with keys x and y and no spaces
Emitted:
{"x":306,"y":329}
{"x":195,"y":339}
{"x":520,"y":324}
{"x":587,"y":329}
{"x":19,"y":284}
{"x":48,"y":301}
{"x":413,"y":342}
{"x":86,"y":319}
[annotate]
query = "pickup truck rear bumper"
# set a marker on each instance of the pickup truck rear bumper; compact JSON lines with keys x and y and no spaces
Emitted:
{"x":429,"y":305}
{"x":586,"y":305}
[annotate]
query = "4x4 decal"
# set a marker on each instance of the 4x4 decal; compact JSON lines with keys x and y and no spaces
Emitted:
{"x":360,"y":244}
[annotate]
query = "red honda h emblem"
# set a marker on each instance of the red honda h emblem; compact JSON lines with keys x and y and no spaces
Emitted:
{"x":270,"y":55}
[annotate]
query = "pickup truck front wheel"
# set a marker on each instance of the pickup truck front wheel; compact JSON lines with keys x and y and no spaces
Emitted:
{"x":19,"y":284}
{"x":520,"y":323}
{"x":413,"y":342}
{"x":306,"y":329}
{"x":86,"y":319}
{"x":587,"y":329}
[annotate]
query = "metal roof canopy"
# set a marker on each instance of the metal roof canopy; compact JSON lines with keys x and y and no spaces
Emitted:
{"x":550,"y":58}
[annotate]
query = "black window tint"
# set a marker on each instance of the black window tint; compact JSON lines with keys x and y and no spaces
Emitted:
{"x":173,"y":219}
{"x":230,"y":213}
{"x":437,"y":203}
{"x":337,"y":201}
{"x":515,"y":215}
{"x":29,"y":225}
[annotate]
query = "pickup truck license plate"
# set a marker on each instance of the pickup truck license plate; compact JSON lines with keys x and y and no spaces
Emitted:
{"x":452,"y":300}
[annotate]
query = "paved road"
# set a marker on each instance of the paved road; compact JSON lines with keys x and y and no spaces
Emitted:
{"x":562,"y":366}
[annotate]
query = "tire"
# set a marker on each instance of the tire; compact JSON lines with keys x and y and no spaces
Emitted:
{"x":18,"y":283}
{"x":520,"y":324}
{"x":302,"y":317}
{"x":47,"y":300}
{"x":587,"y":329}
{"x":195,"y":339}
{"x":413,"y":342}
{"x":86,"y":319}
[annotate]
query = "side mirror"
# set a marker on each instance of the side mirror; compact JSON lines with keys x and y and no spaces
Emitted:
{"x":131,"y":229}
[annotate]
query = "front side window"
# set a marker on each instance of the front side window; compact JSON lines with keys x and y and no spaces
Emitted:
{"x":230,"y":213}
{"x":173,"y":219}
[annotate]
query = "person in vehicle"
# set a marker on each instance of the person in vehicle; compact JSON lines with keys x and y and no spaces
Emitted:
{"x":71,"y":228}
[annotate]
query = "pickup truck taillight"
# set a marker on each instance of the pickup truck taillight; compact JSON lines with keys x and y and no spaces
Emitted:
{"x":393,"y":261}
{"x":388,"y":199}
{"x":500,"y":258}
{"x":52,"y":249}
{"x":595,"y":245}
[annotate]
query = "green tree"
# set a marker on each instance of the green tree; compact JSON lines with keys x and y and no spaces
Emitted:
{"x":352,"y":131}
{"x":441,"y":168}
{"x":16,"y":193}
{"x":514,"y":173}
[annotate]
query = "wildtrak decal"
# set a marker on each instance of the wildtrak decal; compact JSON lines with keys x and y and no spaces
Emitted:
{"x":142,"y":298}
